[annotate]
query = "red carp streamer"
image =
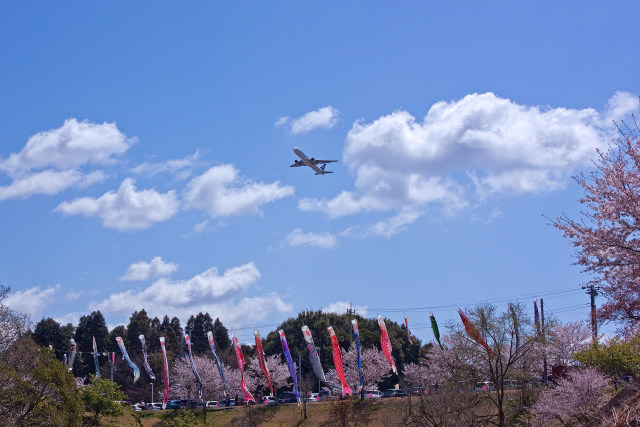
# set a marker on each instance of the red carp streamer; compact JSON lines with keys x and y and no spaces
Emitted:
{"x":337,"y":362}
{"x":248,"y":397}
{"x":385,"y":342}
{"x":261,"y":361}
{"x":473,"y":332}
{"x":406,"y":325}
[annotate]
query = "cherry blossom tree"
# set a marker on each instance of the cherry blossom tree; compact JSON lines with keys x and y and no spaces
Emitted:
{"x":278,"y":373}
{"x":565,"y":340}
{"x":607,"y":236}
{"x":575,"y":400}
{"x":184,"y":385}
{"x":375,"y":368}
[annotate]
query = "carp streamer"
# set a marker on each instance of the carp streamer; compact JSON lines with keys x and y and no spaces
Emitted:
{"x":95,"y":357}
{"x":385,"y":343}
{"x":193,"y":365}
{"x":72,"y":355}
{"x":248,"y":397}
{"x":515,"y":325}
{"x":406,"y":325}
{"x":473,"y":332}
{"x":144,"y":354}
{"x":337,"y":362}
{"x":166,"y":374}
{"x":261,"y":360}
{"x":436,"y":331}
{"x":356,"y":335}
{"x":292,"y":367}
{"x":314,"y":359}
{"x":536,"y":315}
{"x":125,"y":356}
{"x":212,"y":345}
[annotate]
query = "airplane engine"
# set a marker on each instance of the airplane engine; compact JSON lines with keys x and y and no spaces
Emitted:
{"x":313,"y":160}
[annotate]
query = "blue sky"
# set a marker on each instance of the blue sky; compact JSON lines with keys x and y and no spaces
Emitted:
{"x":145,"y":155}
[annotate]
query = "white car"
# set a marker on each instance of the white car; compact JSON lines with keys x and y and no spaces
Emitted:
{"x":154,"y":406}
{"x":372,"y":394}
{"x":211,"y":403}
{"x":137,"y":407}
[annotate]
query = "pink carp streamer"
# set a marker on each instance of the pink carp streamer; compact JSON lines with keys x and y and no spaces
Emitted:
{"x":166,"y":374}
{"x":248,"y":397}
{"x":385,"y":343}
{"x":406,"y":325}
{"x":261,"y":361}
{"x":473,"y":332}
{"x":337,"y":362}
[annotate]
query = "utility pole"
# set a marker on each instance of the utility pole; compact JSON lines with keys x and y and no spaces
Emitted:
{"x":349,"y":311}
{"x":545,"y":372}
{"x":593,"y":291}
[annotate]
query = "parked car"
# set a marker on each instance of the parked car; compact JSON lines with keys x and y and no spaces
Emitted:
{"x":372,"y":394}
{"x":394,"y":392}
{"x":314,"y":397}
{"x":484,"y":386}
{"x":173,"y":404}
{"x":268,"y":400}
{"x":211,"y":403}
{"x":137,"y":407}
{"x":418,"y":391}
{"x":324,"y":395}
{"x":225,"y":403}
{"x":155,"y":406}
{"x":287,"y":397}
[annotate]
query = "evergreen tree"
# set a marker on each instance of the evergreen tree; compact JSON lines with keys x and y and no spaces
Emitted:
{"x":47,"y":332}
{"x":221,"y":335}
{"x":197,"y":328}
{"x":89,"y":327}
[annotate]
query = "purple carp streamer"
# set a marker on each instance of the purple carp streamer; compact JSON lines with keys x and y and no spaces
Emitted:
{"x":144,"y":354}
{"x":314,"y":359}
{"x":248,"y":397}
{"x":166,"y":374}
{"x":212,"y":345}
{"x":385,"y":343}
{"x":337,"y":362}
{"x":406,"y":325}
{"x":95,"y":357}
{"x":125,"y":356}
{"x":473,"y":332}
{"x":261,"y":361}
{"x":193,"y":365}
{"x":536,"y":315}
{"x":292,"y":367}
{"x":72,"y":354}
{"x":356,"y":334}
{"x":436,"y":331}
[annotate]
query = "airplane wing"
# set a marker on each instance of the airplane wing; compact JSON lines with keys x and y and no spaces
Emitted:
{"x":322,"y":161}
{"x":297,"y":163}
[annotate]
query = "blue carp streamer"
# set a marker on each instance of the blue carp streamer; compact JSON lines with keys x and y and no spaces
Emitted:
{"x":212,"y":344}
{"x":356,"y":334}
{"x":146,"y":362}
{"x":292,"y":367}
{"x":193,"y":366}
{"x":314,"y":359}
{"x":136,"y":370}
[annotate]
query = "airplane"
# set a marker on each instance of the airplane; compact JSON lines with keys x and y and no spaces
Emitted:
{"x":311,"y":162}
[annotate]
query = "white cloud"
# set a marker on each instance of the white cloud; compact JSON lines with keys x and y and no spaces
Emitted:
{"x":72,"y":296}
{"x":32,"y":301}
{"x":221,"y":192}
{"x":126,"y":209}
{"x":149,"y":270}
{"x":207,"y":292}
{"x":396,"y":224}
{"x":70,"y":146}
{"x":322,"y":240}
{"x":473,"y":148}
{"x":180,"y":167}
{"x":325,"y":117}
{"x":48,"y":182}
{"x":50,"y":161}
{"x":340,"y":307}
